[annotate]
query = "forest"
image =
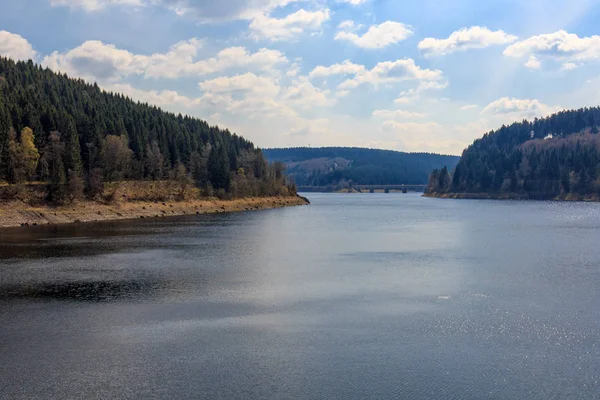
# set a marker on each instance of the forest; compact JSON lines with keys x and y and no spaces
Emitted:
{"x":342,"y":166}
{"x":557,"y":157}
{"x":73,"y":137}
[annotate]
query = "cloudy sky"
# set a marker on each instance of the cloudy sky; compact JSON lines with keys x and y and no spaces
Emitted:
{"x":424,"y":75}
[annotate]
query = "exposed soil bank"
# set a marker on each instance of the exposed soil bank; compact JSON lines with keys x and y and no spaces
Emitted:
{"x":16,"y":213}
{"x":513,"y":196}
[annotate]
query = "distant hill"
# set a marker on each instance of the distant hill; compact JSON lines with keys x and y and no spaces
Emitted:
{"x":336,"y":166}
{"x":557,"y":157}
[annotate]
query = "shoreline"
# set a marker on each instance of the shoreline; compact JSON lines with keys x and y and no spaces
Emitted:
{"x":16,"y":213}
{"x":513,"y":196}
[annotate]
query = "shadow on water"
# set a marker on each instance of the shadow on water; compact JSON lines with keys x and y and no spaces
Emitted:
{"x":82,"y":291}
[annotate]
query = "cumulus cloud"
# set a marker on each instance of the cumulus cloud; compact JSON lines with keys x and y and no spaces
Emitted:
{"x":303,"y":94}
{"x":353,"y":2}
{"x":561,"y":45}
{"x":15,"y":46}
{"x":94,"y":59}
{"x":377,"y":36}
{"x":169,"y":99}
{"x":533,"y":62}
{"x":345,"y":68}
{"x":94,"y":5}
{"x":410,"y":95}
{"x":527,"y":108}
{"x":475,"y":37}
{"x":469,"y":107}
{"x":247,"y":83}
{"x":250,"y":92}
{"x":391,"y":72}
{"x":396,"y":114}
{"x":105,"y":62}
{"x":201,"y":10}
{"x":568,"y":66}
{"x":301,"y":21}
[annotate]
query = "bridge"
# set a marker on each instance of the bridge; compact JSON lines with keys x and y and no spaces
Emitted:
{"x":367,"y":188}
{"x":390,"y":188}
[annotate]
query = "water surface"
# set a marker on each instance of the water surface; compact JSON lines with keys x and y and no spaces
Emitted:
{"x":352,"y":297}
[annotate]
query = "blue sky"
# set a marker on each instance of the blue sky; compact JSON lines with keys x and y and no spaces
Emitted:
{"x":410,"y":76}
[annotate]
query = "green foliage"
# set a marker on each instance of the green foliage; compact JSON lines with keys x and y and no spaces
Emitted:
{"x":218,"y":168}
{"x":80,"y":128}
{"x":31,"y":156}
{"x":328,"y":166}
{"x":550,"y":157}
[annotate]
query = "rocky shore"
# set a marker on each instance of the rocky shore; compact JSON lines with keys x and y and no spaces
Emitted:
{"x":16,"y":213}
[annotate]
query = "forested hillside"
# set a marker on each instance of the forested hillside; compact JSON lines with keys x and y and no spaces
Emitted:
{"x":553,"y":157}
{"x":74,"y":136}
{"x":337,"y":166}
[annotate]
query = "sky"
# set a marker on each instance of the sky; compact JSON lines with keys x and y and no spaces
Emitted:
{"x":427,"y":76}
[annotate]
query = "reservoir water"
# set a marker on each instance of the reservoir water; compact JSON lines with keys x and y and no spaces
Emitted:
{"x":355,"y":296}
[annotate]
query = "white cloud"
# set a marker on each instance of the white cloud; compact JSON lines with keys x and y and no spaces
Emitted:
{"x":165,"y":98}
{"x":303,"y":94}
{"x":353,"y":2}
{"x":95,"y":60}
{"x":15,"y":46}
{"x":568,"y":66}
{"x":469,"y":107}
{"x":390,"y":72}
{"x":475,"y":37}
{"x":293,"y":70}
{"x":250,"y":93}
{"x":94,"y":5}
{"x":561,"y":46}
{"x":347,"y":25}
{"x":526,"y":108}
{"x":533,"y":62}
{"x":297,"y":23}
{"x":345,"y":68}
{"x":377,"y":36}
{"x":410,"y":95}
{"x":220,"y":10}
{"x":396,"y":114}
{"x":247,"y":83}
{"x":201,"y":10}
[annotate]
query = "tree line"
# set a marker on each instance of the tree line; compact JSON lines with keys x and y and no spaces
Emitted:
{"x":75,"y":137}
{"x":551,"y":157}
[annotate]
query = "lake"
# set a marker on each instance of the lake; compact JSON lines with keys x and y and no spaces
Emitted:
{"x":353,"y":297}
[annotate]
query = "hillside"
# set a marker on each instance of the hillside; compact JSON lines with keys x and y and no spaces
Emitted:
{"x":557,"y":157}
{"x":72,"y":136}
{"x":336,"y":166}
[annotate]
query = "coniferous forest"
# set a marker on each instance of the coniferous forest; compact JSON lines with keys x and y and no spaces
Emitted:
{"x":332,"y":166}
{"x":73,"y":137}
{"x":557,"y":157}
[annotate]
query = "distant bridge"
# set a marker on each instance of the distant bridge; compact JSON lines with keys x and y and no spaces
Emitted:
{"x":367,"y":188}
{"x":389,"y":188}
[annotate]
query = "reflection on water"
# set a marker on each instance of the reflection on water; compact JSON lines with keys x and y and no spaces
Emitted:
{"x":79,"y":291}
{"x":354,"y":296}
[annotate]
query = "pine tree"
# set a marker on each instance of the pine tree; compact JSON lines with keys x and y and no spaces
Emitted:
{"x":5,"y":126}
{"x":218,"y":168}
{"x":72,"y":153}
